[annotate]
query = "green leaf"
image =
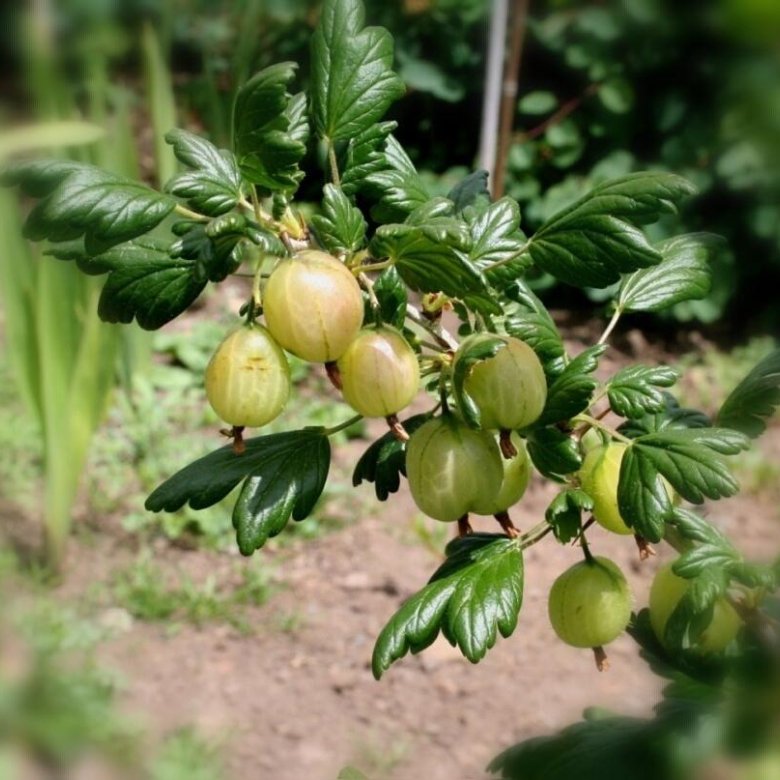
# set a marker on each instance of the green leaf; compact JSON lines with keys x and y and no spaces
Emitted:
{"x":608,"y":748}
{"x":528,"y":320}
{"x":468,"y":357}
{"x":496,"y":237}
{"x":553,"y":453}
{"x":81,"y":200}
{"x":692,"y":462}
{"x":470,"y":190}
{"x":341,"y":227}
{"x":267,"y":130}
{"x":352,"y":81}
{"x":571,"y":391}
{"x":284,"y":472}
{"x":643,"y":501}
{"x":287,"y":481}
{"x":390,"y":291}
{"x":565,"y":513}
{"x":213,"y":185}
{"x":144,"y":281}
{"x":672,"y":417}
{"x":693,"y":562}
{"x":473,"y":596}
{"x":432,"y":258}
{"x":596,"y":239}
{"x":695,"y":528}
{"x":537,"y":102}
{"x":683,"y":274}
{"x":754,"y":399}
{"x":384,"y":461}
{"x":693,"y":612}
{"x":633,"y":391}
{"x":364,"y":156}
{"x":397,"y":186}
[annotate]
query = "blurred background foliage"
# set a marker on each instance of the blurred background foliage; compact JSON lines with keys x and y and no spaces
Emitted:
{"x":605,"y":88}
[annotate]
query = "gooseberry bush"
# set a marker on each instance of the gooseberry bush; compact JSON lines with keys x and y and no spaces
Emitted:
{"x":406,"y":298}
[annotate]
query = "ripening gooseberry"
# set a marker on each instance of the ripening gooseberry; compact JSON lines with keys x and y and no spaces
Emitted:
{"x":599,"y":477}
{"x":248,"y":379}
{"x":313,"y":306}
{"x":517,"y":472}
{"x":590,"y":603}
{"x":665,"y":593}
{"x":379,"y":372}
{"x":509,"y":388}
{"x":452,"y":468}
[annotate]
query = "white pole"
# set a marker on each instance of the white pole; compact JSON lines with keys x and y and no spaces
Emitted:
{"x":491,"y":101}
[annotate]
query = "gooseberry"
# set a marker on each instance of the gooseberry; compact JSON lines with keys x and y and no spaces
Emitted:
{"x":313,"y":306}
{"x":590,"y":603}
{"x":665,"y":594}
{"x":509,"y":388}
{"x":379,"y":372}
{"x":248,"y":379}
{"x":599,"y":477}
{"x":452,"y":468}
{"x":517,"y":472}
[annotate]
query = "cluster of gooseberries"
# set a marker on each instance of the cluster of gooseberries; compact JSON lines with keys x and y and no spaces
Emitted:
{"x":313,"y":308}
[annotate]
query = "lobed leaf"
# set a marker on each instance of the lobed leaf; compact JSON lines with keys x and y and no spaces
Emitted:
{"x":528,"y":320}
{"x":82,"y":200}
{"x":683,"y":274}
{"x":691,"y":460}
{"x":496,"y":237}
{"x":571,"y":391}
{"x":468,"y":357}
{"x":392,"y":295}
{"x":473,"y":596}
{"x":633,"y":390}
{"x":672,"y":417}
{"x":470,"y":190}
{"x":341,"y":227}
{"x":565,"y":513}
{"x":596,"y":239}
{"x":554,"y":453}
{"x":352,"y":80}
{"x":213,"y":185}
{"x":268,"y":130}
{"x":754,"y":400}
{"x":284,"y":472}
{"x":396,"y":186}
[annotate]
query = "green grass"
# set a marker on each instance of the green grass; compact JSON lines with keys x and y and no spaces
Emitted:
{"x":144,"y":590}
{"x":185,"y":755}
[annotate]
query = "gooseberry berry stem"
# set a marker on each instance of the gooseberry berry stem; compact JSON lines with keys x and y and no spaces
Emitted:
{"x":646,"y":550}
{"x":334,"y":167}
{"x":510,"y":529}
{"x":602,"y":662}
{"x":595,"y":423}
{"x":464,"y":526}
{"x":370,"y":267}
{"x":610,"y":326}
{"x":343,"y":426}
{"x":397,"y":428}
{"x":368,"y":286}
{"x":190,"y":214}
{"x":508,"y":450}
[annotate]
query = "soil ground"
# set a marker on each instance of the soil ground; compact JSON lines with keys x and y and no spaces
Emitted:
{"x":295,"y":699}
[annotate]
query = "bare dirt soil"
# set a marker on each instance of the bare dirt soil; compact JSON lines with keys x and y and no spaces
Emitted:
{"x":301,"y":702}
{"x":295,"y":699}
